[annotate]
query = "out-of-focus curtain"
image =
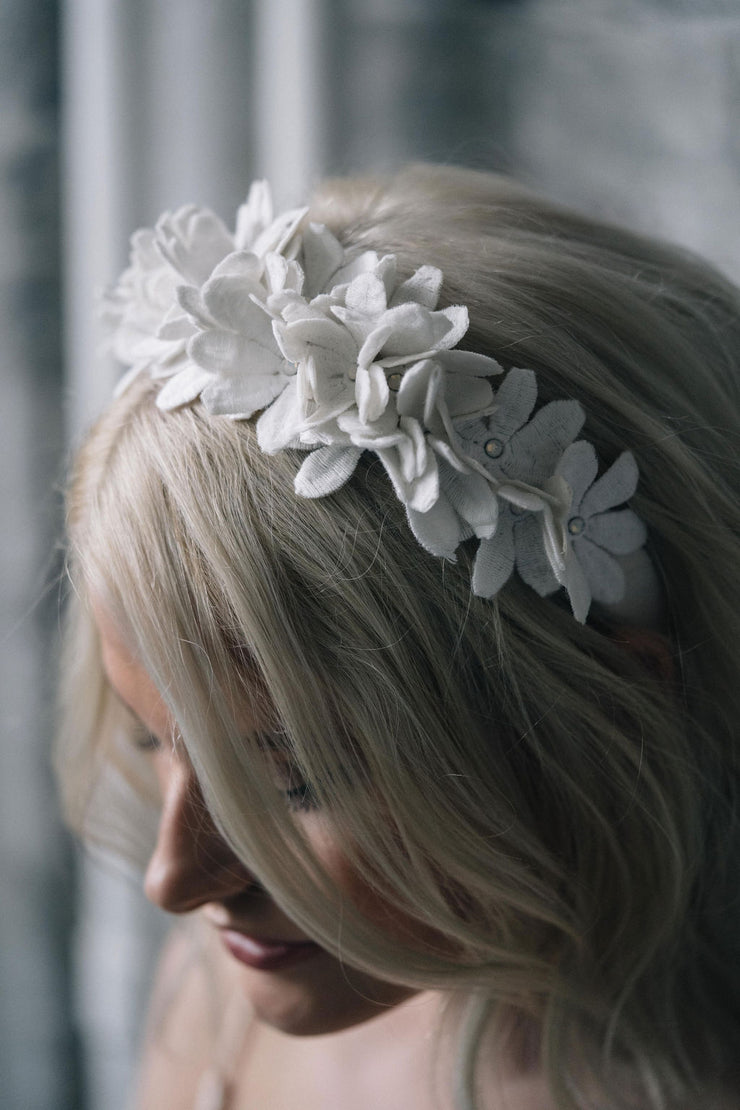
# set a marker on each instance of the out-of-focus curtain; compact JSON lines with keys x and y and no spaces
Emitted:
{"x":625,"y":107}
{"x":629,"y":109}
{"x":38,"y":1050}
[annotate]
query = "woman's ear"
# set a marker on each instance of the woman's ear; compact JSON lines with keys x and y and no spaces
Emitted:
{"x":651,"y":649}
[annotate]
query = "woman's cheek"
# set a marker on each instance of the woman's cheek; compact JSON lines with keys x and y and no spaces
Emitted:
{"x":355,"y":884}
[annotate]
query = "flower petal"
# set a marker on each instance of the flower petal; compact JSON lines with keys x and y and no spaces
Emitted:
{"x":282,"y":274}
{"x":459,"y":321}
{"x":494,"y":560}
{"x":469,"y":362}
{"x":366,"y":296}
{"x":254,"y":215}
{"x":372,"y":344}
{"x":577,"y":585}
{"x":422,"y":288}
{"x":515,"y":398}
{"x":371,"y":391}
{"x":193,"y":241}
{"x":326,"y":470}
{"x":229,"y":300}
{"x":416,"y":382}
{"x":223,"y":352}
{"x":240,"y":397}
{"x":614,"y":487}
{"x":384,"y":428}
{"x":363,"y":263}
{"x":416,"y":330}
{"x":472,"y":499}
{"x":280,"y":424}
{"x":621,"y":532}
{"x":241,"y":264}
{"x":532,"y":563}
{"x":322,"y":339}
{"x":438,"y":530}
{"x":183,"y":388}
{"x":469,"y":395}
{"x":578,"y":467}
{"x":322,"y":257}
{"x":413,"y":470}
{"x":524,"y":497}
{"x":603,"y":573}
{"x":278,"y":234}
{"x":190,"y":300}
{"x":175,"y":325}
{"x":535,"y":450}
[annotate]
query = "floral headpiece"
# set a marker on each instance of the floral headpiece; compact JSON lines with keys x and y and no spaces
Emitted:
{"x":340,"y":356}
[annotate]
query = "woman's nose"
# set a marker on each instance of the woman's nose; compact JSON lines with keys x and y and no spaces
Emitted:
{"x":191,"y":864}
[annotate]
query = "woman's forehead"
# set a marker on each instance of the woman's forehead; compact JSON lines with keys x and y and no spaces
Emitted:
{"x":128,"y":678}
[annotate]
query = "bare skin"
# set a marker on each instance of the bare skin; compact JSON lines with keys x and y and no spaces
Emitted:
{"x":388,"y":1061}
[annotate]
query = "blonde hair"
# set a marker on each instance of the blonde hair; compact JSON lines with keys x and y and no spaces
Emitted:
{"x":518,"y":783}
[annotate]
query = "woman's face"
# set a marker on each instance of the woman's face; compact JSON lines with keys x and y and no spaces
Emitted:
{"x":292,"y":983}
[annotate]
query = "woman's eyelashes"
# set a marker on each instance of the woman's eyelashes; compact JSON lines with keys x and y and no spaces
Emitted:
{"x":146,"y":741}
{"x":301,"y":797}
{"x":290,"y":783}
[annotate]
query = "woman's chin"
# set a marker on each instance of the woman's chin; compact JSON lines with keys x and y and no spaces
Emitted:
{"x":328,"y":1000}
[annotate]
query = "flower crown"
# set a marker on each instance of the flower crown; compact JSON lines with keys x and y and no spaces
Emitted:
{"x":340,"y":356}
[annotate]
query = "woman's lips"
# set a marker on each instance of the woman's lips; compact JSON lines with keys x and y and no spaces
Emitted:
{"x":267,"y":955}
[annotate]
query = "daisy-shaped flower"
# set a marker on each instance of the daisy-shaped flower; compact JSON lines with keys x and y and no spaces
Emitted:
{"x":521,"y":455}
{"x":507,"y":442}
{"x":598,"y":530}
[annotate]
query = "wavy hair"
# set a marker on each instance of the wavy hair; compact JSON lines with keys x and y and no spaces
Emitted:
{"x":526,"y":788}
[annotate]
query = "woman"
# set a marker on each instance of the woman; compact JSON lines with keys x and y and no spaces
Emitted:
{"x":437,"y":733}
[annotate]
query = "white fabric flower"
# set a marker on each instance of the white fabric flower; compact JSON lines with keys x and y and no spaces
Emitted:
{"x":149,"y":327}
{"x":521,"y":455}
{"x":237,"y":366}
{"x":149,"y":330}
{"x":596,"y":528}
{"x":400,"y":444}
{"x":406,"y":437}
{"x":338,"y":357}
{"x":466,"y":504}
{"x":356,"y":335}
{"x":257,"y":230}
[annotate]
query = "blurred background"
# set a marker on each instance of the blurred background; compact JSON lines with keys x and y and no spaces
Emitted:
{"x":112,"y":110}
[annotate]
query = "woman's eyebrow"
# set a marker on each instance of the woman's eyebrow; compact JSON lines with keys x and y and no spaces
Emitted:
{"x":145,"y":732}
